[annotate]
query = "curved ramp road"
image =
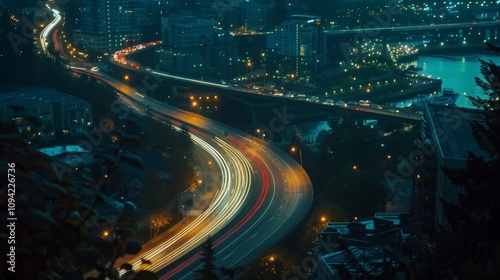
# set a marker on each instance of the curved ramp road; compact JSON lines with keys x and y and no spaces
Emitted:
{"x":278,"y":198}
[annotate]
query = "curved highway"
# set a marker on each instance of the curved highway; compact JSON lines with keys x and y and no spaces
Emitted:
{"x":119,"y":58}
{"x":264,"y":193}
{"x":48,"y":29}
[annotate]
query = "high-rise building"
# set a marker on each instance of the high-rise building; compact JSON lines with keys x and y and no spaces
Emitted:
{"x":196,"y":47}
{"x":257,"y":15}
{"x":293,"y":49}
{"x":106,"y":25}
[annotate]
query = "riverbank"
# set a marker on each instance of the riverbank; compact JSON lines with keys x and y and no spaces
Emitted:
{"x":452,"y":49}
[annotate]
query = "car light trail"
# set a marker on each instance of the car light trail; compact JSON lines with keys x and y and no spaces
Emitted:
{"x":161,"y":254}
{"x":238,"y":158}
{"x":196,"y":81}
{"x":45,"y":32}
{"x":246,"y":218}
{"x":232,"y":201}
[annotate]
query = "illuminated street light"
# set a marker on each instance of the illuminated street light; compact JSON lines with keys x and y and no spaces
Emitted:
{"x":260,"y":133}
{"x":250,"y":64}
{"x":195,"y":104}
{"x":300,"y":153}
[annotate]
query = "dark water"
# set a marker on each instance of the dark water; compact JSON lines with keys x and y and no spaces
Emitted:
{"x":457,"y":71}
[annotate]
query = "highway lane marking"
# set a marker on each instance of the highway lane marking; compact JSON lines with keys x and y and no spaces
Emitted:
{"x":228,"y":255}
{"x":253,"y":235}
{"x":271,"y":218}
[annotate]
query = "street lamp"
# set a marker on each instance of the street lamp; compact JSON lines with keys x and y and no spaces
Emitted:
{"x":126,"y":79}
{"x":195,"y":104}
{"x":260,"y":132}
{"x":250,"y":64}
{"x":300,"y":153}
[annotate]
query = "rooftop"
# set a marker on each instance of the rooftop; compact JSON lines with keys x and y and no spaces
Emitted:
{"x":34,"y":95}
{"x":61,"y":150}
{"x":366,"y":257}
{"x":71,"y":155}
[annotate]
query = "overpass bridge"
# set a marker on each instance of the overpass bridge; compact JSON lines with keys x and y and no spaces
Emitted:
{"x":399,"y":28}
{"x":339,"y":44}
{"x":362,"y":109}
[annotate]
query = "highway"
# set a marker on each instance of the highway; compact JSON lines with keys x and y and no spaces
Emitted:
{"x":264,"y":193}
{"x":120,"y":58}
{"x":416,"y":27}
{"x":48,"y":29}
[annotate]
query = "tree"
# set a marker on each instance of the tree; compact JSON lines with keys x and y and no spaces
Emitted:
{"x":267,"y":268}
{"x":59,"y":234}
{"x":229,"y":272}
{"x":472,"y":243}
{"x":154,"y":193}
{"x":159,"y":220}
{"x":358,"y":193}
{"x":348,"y":143}
{"x":324,"y":211}
{"x":207,"y":257}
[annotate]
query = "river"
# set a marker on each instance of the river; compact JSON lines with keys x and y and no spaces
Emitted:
{"x":456,"y":70}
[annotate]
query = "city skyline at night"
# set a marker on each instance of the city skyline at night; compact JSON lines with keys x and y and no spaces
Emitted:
{"x":249,"y":139}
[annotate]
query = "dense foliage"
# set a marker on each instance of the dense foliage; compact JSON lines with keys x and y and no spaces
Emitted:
{"x":58,"y":233}
{"x":470,"y":248}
